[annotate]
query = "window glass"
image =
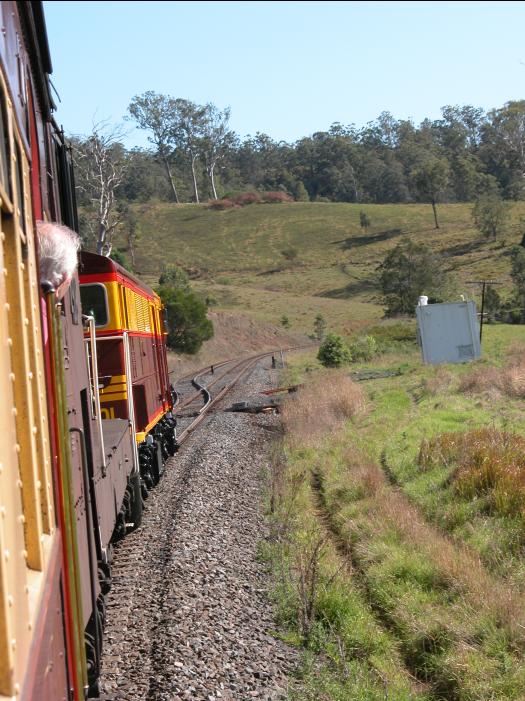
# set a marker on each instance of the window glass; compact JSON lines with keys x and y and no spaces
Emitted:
{"x":4,"y":150}
{"x":20,"y":187}
{"x":94,"y":303}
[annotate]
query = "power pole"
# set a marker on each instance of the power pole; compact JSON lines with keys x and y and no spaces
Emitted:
{"x":483,"y":284}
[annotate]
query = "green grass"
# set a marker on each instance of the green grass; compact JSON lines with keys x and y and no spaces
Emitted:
{"x":346,"y":654}
{"x":437,"y":570}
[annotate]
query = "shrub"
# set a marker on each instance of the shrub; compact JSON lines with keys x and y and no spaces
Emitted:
{"x":364,"y":348}
{"x":334,"y":352}
{"x":173,"y":276}
{"x":319,"y":327}
{"x":321,"y":407}
{"x":488,"y":462}
{"x":188,"y":326}
{"x":290,"y":253}
{"x":491,"y":214}
{"x":276,"y":197}
{"x":246,"y":198}
{"x":364,"y":220}
{"x":222,"y":204}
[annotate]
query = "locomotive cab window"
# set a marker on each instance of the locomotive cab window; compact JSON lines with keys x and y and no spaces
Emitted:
{"x":95,"y":302}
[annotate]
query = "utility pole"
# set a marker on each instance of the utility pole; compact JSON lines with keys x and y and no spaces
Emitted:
{"x":483,"y":284}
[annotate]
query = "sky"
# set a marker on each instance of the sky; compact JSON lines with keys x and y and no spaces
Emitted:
{"x":287,"y":69}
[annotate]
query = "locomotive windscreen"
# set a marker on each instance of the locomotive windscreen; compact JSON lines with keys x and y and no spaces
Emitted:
{"x":95,"y":303}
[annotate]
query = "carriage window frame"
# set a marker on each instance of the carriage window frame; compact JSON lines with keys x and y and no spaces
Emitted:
{"x":106,"y":304}
{"x":6,"y":187}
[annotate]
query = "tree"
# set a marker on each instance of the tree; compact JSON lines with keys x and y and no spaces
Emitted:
{"x":334,"y":352}
{"x":175,"y":277}
{"x":319,"y":327}
{"x":364,"y":220}
{"x":408,"y":271}
{"x":431,"y":179}
{"x":188,"y":325}
{"x":492,"y":303}
{"x":301,"y":193}
{"x":216,"y":139}
{"x":517,"y":274}
{"x":490,"y":214}
{"x":100,"y":167}
{"x":188,"y":134}
{"x":157,"y":114}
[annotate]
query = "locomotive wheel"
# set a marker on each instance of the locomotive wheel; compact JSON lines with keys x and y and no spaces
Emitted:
{"x":104,"y":577}
{"x":135,"y":512}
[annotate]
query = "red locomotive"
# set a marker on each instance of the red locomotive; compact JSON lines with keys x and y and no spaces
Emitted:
{"x":75,"y":462}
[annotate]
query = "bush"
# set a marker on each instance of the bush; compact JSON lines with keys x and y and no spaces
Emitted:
{"x":173,"y":276}
{"x":409,"y":270}
{"x":276,"y":197}
{"x":226,"y":203}
{"x":364,"y":220}
{"x":334,"y":352}
{"x":246,"y":198}
{"x":364,"y":348}
{"x":188,"y":326}
{"x":119,"y":257}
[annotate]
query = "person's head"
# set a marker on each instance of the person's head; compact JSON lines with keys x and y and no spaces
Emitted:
{"x":58,"y":247}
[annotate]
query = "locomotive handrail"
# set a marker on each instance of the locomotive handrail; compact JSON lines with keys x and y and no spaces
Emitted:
{"x":90,"y":525}
{"x":94,"y":386}
{"x":129,"y":390}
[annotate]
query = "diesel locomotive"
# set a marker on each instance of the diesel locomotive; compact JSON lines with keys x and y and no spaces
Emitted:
{"x":86,"y":411}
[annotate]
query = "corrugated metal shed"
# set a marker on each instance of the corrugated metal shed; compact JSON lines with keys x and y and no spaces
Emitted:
{"x":448,"y":333}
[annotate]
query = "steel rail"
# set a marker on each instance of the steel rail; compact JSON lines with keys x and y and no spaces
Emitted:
{"x":246,"y":363}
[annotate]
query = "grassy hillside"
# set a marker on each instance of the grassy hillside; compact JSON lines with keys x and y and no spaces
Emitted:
{"x":301,"y":259}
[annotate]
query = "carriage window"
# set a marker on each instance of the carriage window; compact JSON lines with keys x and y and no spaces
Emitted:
{"x":95,"y":303}
{"x":20,"y":186}
{"x":4,"y":151}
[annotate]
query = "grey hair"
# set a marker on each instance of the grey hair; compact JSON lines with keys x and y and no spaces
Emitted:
{"x":58,"y":248}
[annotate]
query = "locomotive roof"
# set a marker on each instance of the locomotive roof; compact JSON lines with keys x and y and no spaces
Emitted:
{"x":93,"y":264}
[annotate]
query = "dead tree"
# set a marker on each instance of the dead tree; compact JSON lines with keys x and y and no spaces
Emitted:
{"x":100,"y":166}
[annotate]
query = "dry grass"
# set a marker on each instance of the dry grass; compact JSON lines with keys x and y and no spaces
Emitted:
{"x":488,"y":462}
{"x":508,"y":381}
{"x":439,"y":383}
{"x":321,"y":408}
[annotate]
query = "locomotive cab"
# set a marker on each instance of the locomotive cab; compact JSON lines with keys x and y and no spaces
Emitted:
{"x":131,"y":374}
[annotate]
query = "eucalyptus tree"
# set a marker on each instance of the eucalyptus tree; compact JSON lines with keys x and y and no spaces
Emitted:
{"x":430,"y":178}
{"x":217,"y":138}
{"x":158,"y":115}
{"x":503,"y":147}
{"x":189,"y":121}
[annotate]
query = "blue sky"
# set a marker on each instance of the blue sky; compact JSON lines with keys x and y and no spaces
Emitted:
{"x":285,"y":68}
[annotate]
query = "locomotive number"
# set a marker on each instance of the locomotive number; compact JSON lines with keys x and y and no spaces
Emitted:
{"x":107,"y":413}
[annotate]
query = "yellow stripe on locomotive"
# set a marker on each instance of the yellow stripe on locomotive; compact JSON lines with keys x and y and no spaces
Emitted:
{"x":129,"y":315}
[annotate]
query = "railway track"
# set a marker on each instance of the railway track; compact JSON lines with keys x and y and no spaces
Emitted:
{"x":188,"y":615}
{"x":198,"y":393}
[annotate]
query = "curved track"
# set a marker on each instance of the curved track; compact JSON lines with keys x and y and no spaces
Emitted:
{"x":198,"y":393}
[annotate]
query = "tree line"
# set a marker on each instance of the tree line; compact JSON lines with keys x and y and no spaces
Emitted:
{"x":195,"y":156}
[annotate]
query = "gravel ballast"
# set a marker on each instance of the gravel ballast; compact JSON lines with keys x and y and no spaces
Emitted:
{"x":188,"y":616}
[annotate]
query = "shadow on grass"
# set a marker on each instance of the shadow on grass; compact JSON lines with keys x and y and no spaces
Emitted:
{"x":461,"y":249}
{"x":365,"y":240}
{"x":351,"y":289}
